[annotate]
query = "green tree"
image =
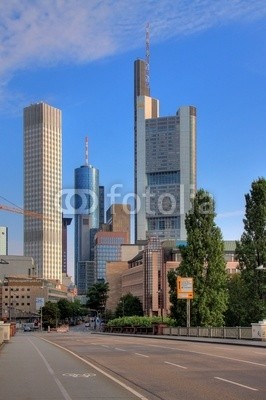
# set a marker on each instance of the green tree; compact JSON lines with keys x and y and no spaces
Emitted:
{"x":129,"y":305}
{"x":50,"y":314}
{"x":65,"y":308}
{"x":97,"y":296}
{"x":177,"y":307}
{"x":236,"y":312}
{"x":251,"y":252}
{"x":203,"y":260}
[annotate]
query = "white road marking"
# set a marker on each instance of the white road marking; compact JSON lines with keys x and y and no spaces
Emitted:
{"x":176,"y":365}
{"x":235,"y":383}
{"x":207,"y":354}
{"x":142,"y":355}
{"x":117,"y":348}
{"x":51,"y":371}
{"x":75,"y":375}
{"x":137,"y":394}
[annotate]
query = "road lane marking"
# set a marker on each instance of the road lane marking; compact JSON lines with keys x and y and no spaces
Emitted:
{"x":207,"y":354}
{"x":128,"y":388}
{"x":176,"y":365}
{"x":75,"y":375}
{"x":51,"y":371}
{"x":142,"y":355}
{"x":117,"y":348}
{"x":235,"y":383}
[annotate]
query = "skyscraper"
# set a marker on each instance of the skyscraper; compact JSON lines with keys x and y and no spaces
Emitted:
{"x":65,"y":223}
{"x":165,"y":164}
{"x":89,"y":206}
{"x":118,"y":218}
{"x":42,"y":188}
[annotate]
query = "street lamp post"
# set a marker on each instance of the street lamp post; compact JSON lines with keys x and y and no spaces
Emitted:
{"x":160,"y":292}
{"x":41,"y":318}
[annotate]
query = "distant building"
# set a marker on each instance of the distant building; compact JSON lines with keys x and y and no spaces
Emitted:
{"x":165,"y":164}
{"x":3,"y":241}
{"x":118,"y":219}
{"x":145,"y":274}
{"x":42,"y":188}
{"x":107,"y":248}
{"x":89,"y":212}
{"x":17,"y":266}
{"x":19,"y":295}
{"x":65,"y":223}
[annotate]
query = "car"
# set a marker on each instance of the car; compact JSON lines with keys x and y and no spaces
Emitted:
{"x":27,"y":328}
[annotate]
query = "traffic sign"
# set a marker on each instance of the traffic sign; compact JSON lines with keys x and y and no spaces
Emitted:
{"x":184,"y":288}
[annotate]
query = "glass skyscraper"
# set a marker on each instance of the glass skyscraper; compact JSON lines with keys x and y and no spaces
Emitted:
{"x":88,"y":208}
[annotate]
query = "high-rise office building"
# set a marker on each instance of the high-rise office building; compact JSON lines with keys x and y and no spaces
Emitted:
{"x":165,"y":164}
{"x":107,"y":248}
{"x":118,"y":219}
{"x":65,"y":223}
{"x":42,"y":188}
{"x":3,"y":241}
{"x":89,"y":206}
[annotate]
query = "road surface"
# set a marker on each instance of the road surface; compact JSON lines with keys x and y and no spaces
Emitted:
{"x":82,"y":365}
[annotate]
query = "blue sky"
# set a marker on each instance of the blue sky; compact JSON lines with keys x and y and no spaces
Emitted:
{"x":78,"y":56}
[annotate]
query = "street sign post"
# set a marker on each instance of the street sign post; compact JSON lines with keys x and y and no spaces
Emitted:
{"x":184,"y":288}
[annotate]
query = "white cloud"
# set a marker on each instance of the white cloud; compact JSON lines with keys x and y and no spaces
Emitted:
{"x":48,"y":32}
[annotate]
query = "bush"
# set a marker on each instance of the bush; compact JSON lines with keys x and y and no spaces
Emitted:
{"x":139,"y":321}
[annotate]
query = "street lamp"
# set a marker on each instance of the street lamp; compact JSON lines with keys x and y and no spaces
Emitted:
{"x":160,"y":292}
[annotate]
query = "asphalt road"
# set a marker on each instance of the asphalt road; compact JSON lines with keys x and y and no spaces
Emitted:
{"x":173,"y":370}
{"x":123,"y":367}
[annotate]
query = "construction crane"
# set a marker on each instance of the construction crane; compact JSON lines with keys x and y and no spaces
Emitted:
{"x":28,"y":213}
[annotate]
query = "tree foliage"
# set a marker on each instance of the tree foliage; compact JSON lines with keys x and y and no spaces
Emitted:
{"x":203,"y":260}
{"x":235,"y":314}
{"x":50,"y":314}
{"x":251,"y":253}
{"x":97,"y":296}
{"x":129,"y":305}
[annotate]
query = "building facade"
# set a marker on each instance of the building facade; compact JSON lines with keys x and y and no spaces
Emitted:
{"x":3,"y":241}
{"x":65,"y":223}
{"x":42,"y":188}
{"x":89,"y":206}
{"x":107,"y":248}
{"x":118,"y":219}
{"x":165,"y":164}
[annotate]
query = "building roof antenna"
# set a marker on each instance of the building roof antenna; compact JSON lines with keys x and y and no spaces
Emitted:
{"x":147,"y":60}
{"x":86,"y":151}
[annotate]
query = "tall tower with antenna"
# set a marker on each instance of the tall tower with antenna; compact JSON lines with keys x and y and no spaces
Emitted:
{"x":87,"y":214}
{"x":144,"y":107}
{"x":147,"y":60}
{"x":164,"y":161}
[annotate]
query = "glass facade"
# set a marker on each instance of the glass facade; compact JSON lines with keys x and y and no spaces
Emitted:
{"x":87,"y":214}
{"x":107,"y":248}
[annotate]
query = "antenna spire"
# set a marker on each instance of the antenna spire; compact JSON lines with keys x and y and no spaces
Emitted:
{"x":86,"y":151}
{"x":147,"y":61}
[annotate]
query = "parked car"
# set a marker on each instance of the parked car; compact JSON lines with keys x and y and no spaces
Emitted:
{"x":27,"y":328}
